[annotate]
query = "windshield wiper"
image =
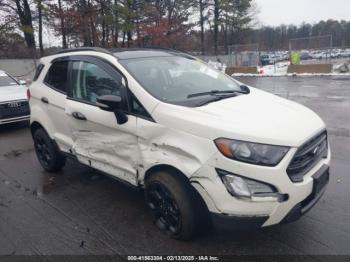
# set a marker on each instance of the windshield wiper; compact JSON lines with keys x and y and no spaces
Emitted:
{"x":218,"y":92}
{"x":216,"y":98}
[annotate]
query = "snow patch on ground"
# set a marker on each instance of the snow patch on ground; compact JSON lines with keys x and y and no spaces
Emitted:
{"x":279,"y":69}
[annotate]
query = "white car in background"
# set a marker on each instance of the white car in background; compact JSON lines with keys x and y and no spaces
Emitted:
{"x":14,"y":105}
{"x":335,"y":54}
{"x":345,"y":53}
{"x":321,"y":55}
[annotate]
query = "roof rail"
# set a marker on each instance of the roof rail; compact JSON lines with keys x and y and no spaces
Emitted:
{"x":171,"y":50}
{"x":96,"y":49}
{"x":111,"y":50}
{"x":125,"y":49}
{"x":114,"y":50}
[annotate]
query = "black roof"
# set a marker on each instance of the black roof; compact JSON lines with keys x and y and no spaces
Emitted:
{"x":96,"y":49}
{"x":142,"y":53}
{"x":129,"y":53}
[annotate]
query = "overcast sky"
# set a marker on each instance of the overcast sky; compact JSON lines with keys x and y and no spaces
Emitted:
{"x":276,"y":12}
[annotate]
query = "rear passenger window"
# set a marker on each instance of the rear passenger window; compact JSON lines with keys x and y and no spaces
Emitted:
{"x":57,"y":77}
{"x":89,"y":81}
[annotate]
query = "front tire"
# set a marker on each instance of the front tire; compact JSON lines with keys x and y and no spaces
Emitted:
{"x":47,"y":152}
{"x":172,"y":203}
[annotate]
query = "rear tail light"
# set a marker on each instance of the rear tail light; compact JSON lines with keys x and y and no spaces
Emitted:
{"x":28,"y":94}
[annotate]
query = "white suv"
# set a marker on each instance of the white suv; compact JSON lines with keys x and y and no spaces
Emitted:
{"x":201,"y":144}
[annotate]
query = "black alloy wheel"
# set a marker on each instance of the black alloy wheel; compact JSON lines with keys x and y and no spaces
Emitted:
{"x":42,"y":151}
{"x":49,"y":156}
{"x":164,"y":207}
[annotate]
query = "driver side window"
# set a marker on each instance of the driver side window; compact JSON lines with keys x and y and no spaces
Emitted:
{"x":89,"y":81}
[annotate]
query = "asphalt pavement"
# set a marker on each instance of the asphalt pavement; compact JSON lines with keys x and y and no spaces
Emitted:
{"x":80,"y":211}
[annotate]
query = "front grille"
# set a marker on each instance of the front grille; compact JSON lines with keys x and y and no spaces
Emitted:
{"x":307,"y":156}
{"x":14,"y":109}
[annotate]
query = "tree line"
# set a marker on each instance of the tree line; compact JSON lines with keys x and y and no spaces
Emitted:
{"x":199,"y":26}
{"x":277,"y":38}
{"x":181,"y":24}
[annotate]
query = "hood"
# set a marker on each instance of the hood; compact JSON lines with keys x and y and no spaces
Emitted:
{"x":258,"y":117}
{"x":12,"y":93}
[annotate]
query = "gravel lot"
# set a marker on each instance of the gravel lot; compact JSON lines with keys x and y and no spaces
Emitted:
{"x":80,"y":211}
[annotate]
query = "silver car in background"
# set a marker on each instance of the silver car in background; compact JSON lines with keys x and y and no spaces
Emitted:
{"x":13,"y":100}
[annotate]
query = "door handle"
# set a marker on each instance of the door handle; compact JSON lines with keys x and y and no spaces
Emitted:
{"x":78,"y":115}
{"x":45,"y":100}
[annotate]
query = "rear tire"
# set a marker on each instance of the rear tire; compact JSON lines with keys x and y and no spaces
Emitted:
{"x":172,"y":203}
{"x":47,"y":152}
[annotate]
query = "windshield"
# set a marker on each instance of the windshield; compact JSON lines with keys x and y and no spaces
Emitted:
{"x":176,"y":79}
{"x":5,"y":80}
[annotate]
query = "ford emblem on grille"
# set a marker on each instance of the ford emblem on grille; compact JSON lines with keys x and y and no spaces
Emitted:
{"x":14,"y":104}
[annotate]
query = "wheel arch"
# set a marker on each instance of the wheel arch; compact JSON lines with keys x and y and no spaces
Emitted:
{"x":165,"y":168}
{"x":35,"y":126}
{"x":201,"y":207}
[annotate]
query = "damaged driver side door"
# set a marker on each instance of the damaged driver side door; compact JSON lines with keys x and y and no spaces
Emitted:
{"x":98,"y":140}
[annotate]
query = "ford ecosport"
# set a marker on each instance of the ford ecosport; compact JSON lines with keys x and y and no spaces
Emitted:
{"x":199,"y":142}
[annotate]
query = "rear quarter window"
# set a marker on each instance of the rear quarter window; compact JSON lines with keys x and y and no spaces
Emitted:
{"x":57,"y":76}
{"x":38,"y":71}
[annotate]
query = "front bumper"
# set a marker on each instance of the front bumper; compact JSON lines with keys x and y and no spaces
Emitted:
{"x":14,"y":119}
{"x":14,"y":111}
{"x":318,"y":190}
{"x":227,"y":222}
{"x":264,"y":211}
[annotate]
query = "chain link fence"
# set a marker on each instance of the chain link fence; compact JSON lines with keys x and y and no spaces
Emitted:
{"x":314,"y":47}
{"x":244,"y":55}
{"x":236,"y":55}
{"x":310,"y":50}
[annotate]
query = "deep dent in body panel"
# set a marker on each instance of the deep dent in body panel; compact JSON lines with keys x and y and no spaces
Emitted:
{"x":129,"y":157}
{"x":163,"y":147}
{"x":117,"y":155}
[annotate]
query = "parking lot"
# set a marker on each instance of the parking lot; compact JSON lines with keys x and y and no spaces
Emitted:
{"x":80,"y":211}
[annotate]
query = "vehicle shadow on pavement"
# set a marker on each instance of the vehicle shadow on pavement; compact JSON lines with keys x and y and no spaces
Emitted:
{"x":6,"y":128}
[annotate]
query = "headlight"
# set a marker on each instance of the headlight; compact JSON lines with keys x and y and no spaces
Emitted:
{"x":253,"y":153}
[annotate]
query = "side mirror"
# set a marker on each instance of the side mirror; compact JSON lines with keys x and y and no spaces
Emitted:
{"x":113,"y":104}
{"x":109,"y":103}
{"x":245,"y":89}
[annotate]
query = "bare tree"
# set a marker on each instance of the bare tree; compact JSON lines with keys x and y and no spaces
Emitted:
{"x":40,"y":26}
{"x":63,"y":27}
{"x":22,"y":9}
{"x":202,"y":5}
